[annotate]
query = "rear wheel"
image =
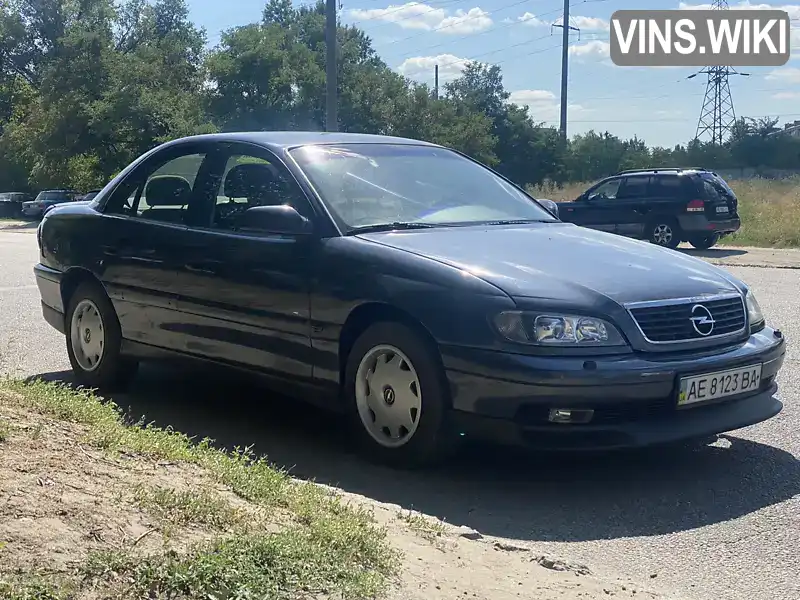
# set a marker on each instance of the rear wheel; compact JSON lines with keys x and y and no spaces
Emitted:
{"x":664,"y":232}
{"x":94,"y":340}
{"x":704,"y":242}
{"x":397,"y":398}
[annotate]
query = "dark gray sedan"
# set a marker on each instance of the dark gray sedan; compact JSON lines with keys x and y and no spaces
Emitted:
{"x":408,"y":286}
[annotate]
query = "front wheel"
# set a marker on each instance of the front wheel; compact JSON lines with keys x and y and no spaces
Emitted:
{"x":94,"y":340}
{"x":664,"y":233}
{"x":397,"y":398}
{"x":704,"y":242}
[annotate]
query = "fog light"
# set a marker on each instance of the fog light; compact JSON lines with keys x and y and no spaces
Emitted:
{"x":570,"y":415}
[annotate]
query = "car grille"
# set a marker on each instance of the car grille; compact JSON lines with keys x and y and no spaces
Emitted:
{"x":673,"y":322}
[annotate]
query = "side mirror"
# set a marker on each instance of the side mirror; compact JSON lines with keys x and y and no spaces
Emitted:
{"x":273,"y":219}
{"x":551,"y":206}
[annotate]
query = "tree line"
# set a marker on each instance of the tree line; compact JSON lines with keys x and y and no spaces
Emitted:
{"x":86,"y":86}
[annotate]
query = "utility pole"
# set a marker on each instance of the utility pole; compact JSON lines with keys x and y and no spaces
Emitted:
{"x":565,"y":67}
{"x":331,"y":97}
{"x":436,"y":82}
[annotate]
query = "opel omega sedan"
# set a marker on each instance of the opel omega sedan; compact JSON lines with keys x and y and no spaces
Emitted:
{"x":408,"y":286}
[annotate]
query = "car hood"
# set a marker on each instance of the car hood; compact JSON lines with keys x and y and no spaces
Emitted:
{"x":564,"y":262}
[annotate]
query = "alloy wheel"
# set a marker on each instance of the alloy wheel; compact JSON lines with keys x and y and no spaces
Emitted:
{"x":662,"y":234}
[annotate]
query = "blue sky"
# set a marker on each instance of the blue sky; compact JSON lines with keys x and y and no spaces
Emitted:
{"x":660,"y":105}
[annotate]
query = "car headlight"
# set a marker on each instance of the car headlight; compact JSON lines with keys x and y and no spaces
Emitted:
{"x":754,"y":315}
{"x":556,"y":330}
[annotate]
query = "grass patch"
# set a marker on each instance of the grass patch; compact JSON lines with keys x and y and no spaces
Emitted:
{"x":187,"y":507}
{"x":323,"y":545}
{"x":769,"y":210}
{"x":5,"y":431}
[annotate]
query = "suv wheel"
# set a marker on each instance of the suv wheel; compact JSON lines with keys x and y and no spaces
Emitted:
{"x":704,"y":242}
{"x":664,"y":232}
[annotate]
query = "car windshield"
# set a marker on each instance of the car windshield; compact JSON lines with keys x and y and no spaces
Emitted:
{"x":54,"y":197}
{"x":375,"y":184}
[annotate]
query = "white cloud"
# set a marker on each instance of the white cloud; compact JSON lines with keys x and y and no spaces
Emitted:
{"x":790,"y":75}
{"x":532,"y":20}
{"x":461,"y":22}
{"x":591,"y":49}
{"x":582,"y":23}
{"x":786,"y":96}
{"x":422,"y":67}
{"x":587,"y":23}
{"x":417,"y":15}
{"x":543,"y":105}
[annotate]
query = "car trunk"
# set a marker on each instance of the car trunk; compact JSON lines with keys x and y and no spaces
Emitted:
{"x":720,"y":201}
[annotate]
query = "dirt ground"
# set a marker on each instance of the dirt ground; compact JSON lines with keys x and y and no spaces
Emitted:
{"x":61,"y":500}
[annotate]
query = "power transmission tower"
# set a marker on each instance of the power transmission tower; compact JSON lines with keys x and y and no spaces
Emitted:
{"x":717,"y":115}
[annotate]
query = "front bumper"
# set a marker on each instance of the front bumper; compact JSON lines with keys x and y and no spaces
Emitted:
{"x":32,"y":211}
{"x":697,"y":223}
{"x":506,"y":398}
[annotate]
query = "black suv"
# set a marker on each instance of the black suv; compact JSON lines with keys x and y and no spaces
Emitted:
{"x":665,"y":206}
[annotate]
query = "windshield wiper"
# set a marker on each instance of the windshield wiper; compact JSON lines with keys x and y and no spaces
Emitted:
{"x":396,"y":225}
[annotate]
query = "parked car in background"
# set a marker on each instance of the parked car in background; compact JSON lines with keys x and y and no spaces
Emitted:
{"x":666,"y":206}
{"x":413,"y":289}
{"x":89,"y":196}
{"x":11,"y":203}
{"x":46,"y":199}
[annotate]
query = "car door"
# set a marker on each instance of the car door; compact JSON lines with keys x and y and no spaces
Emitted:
{"x":595,"y":207}
{"x":139,"y":242}
{"x":632,"y":205}
{"x":244,"y":291}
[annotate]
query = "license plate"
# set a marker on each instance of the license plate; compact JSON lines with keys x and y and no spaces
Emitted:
{"x":722,"y":209}
{"x":700,"y":388}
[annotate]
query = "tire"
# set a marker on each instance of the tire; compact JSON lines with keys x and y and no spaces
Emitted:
{"x":428,"y":438}
{"x":704,"y":242}
{"x":95,"y":357}
{"x":664,"y":232}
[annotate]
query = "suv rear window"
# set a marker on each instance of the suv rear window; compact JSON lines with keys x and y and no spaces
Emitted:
{"x":715,"y":187}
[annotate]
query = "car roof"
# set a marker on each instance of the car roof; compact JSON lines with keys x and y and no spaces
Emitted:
{"x":664,"y":171}
{"x":283,"y":140}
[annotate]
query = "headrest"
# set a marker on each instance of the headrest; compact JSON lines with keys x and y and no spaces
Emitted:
{"x":252,"y":180}
{"x":167,"y":190}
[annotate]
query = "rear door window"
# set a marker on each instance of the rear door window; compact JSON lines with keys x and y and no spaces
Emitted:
{"x":666,"y":186}
{"x":634,"y":187}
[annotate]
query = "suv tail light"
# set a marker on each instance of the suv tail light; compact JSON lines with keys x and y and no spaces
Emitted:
{"x":696,"y":206}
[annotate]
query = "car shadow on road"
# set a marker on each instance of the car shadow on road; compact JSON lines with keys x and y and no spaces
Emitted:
{"x":522,"y":495}
{"x":713,"y":252}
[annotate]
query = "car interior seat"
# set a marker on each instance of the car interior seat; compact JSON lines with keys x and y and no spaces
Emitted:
{"x":166,"y":197}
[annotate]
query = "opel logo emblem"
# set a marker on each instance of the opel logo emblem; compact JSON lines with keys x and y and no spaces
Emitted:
{"x":388,"y":395}
{"x":701,"y":319}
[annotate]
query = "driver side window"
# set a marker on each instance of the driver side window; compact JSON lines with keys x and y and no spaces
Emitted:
{"x":249,"y":181}
{"x":606,"y":191}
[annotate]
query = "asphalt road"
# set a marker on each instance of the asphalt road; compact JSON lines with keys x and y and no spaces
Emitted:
{"x":720,"y":522}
